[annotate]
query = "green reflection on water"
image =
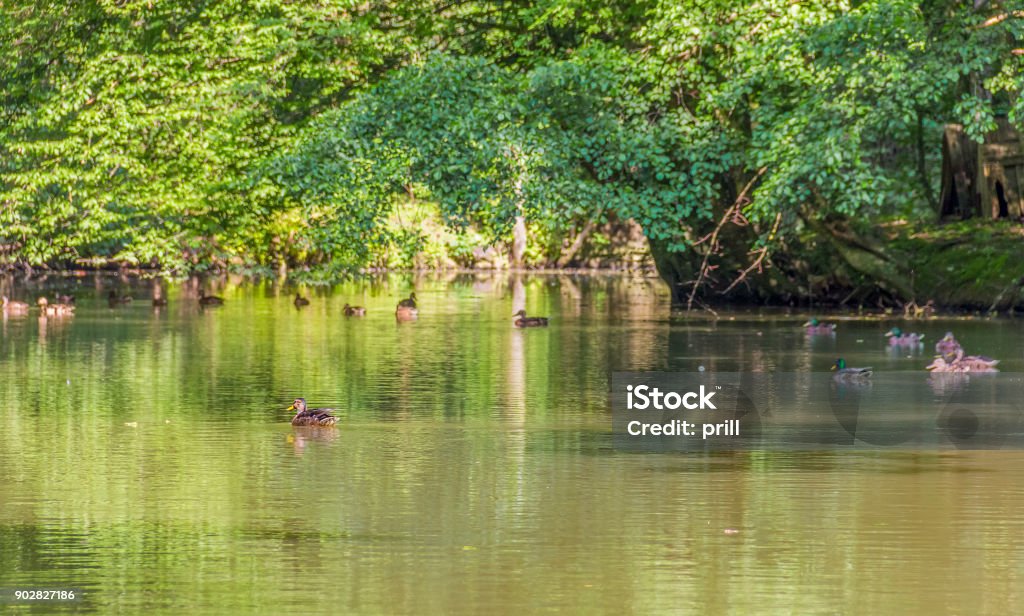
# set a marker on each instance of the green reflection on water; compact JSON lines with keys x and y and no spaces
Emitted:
{"x":147,"y":459}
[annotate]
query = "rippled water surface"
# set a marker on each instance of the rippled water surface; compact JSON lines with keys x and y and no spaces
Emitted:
{"x":146,"y":458}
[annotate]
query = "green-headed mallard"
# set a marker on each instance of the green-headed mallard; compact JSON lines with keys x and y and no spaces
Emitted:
{"x":520,"y":319}
{"x":408,"y":303}
{"x":113,"y":299}
{"x":300,"y":301}
{"x":814,"y":326}
{"x":311,"y":417}
{"x":55,"y":310}
{"x":209,"y":300}
{"x":13,"y":307}
{"x":842,"y":372}
{"x":897,"y":337}
{"x":354,"y":311}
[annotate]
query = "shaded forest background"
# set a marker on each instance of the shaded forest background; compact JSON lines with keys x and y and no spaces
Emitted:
{"x":767,"y":149}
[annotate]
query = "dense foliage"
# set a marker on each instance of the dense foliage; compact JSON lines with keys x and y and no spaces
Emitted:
{"x":182,"y":135}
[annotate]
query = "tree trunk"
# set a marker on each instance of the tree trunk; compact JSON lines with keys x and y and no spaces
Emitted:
{"x":518,"y":242}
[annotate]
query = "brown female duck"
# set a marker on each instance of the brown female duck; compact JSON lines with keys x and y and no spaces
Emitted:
{"x":354,"y":311}
{"x":55,"y":310}
{"x":520,"y":319}
{"x":311,"y":417}
{"x":406,"y":310}
{"x":12,"y":307}
{"x":300,"y":301}
{"x":114,"y":300}
{"x":209,"y":300}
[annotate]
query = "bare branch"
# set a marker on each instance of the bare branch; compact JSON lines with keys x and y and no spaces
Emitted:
{"x":730,"y":214}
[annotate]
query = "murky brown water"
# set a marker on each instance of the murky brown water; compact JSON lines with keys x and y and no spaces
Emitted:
{"x":147,"y":459}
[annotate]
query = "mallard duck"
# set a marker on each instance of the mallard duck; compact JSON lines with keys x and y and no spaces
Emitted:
{"x":948,"y":348}
{"x":406,"y":310}
{"x":159,"y":301}
{"x":354,"y":311}
{"x":300,"y":301}
{"x":965,"y":363}
{"x":842,"y":372}
{"x":12,"y":307}
{"x":311,"y":417}
{"x":815,"y":327}
{"x":209,"y":300}
{"x":898,"y":338}
{"x":55,"y":310}
{"x":115,"y":300}
{"x":520,"y":319}
{"x":408,"y":303}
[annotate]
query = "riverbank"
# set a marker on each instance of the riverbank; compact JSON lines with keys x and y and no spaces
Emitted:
{"x":965,"y":266}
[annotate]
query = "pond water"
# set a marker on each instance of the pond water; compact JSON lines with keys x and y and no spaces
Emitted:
{"x":148,"y":460}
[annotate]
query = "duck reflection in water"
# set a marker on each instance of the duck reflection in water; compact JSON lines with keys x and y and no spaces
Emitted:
{"x":302,"y":436}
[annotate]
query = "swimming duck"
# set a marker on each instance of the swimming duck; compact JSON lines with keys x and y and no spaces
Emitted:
{"x":354,"y":311}
{"x":520,"y":319}
{"x":300,"y":301}
{"x":159,"y":301}
{"x":842,"y":372}
{"x":209,"y":300}
{"x":948,"y":348}
{"x":55,"y":310}
{"x":311,"y":417}
{"x":968,"y":363}
{"x":898,"y":338}
{"x":815,"y":327}
{"x":114,"y":300}
{"x":406,"y":310}
{"x":12,"y":307}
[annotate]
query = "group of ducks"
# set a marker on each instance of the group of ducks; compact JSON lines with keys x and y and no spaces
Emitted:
{"x":407,"y":310}
{"x":65,"y":306}
{"x":949,"y":358}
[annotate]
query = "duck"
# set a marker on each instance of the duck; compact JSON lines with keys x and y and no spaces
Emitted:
{"x":300,"y":301}
{"x":311,"y":417}
{"x":520,"y":319}
{"x":114,"y":300}
{"x":968,"y":363}
{"x":948,"y":348}
{"x":842,"y":372}
{"x":209,"y":300}
{"x":354,"y":311}
{"x":897,"y":337}
{"x":816,"y":327}
{"x":159,"y":301}
{"x":406,"y":309}
{"x":55,"y":310}
{"x":12,"y":307}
